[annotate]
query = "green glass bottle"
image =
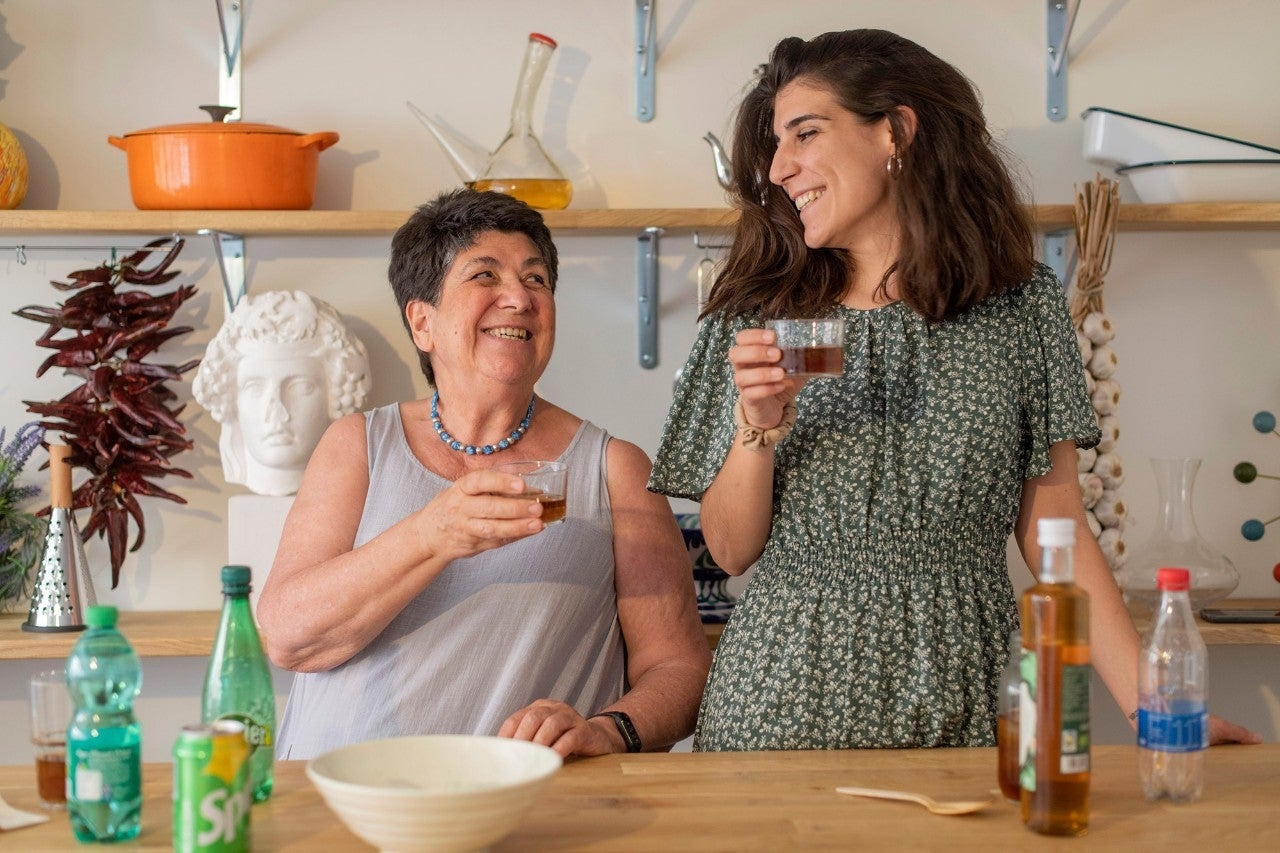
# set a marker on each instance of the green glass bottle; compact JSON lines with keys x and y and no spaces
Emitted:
{"x":237,"y":684}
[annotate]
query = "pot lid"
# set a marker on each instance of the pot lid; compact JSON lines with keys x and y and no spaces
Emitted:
{"x":237,"y":127}
{"x":217,"y":125}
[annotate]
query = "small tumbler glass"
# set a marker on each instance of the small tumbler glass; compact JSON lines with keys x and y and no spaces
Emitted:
{"x":810,"y":347}
{"x":50,"y":714}
{"x":546,"y":481}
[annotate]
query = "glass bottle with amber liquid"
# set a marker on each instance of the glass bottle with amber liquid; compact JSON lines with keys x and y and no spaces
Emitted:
{"x":1054,"y":709}
{"x":520,"y":166}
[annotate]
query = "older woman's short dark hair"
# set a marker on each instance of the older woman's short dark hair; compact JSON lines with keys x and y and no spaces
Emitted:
{"x":425,"y":247}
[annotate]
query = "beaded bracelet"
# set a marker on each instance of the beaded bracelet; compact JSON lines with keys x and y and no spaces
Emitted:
{"x":755,"y":438}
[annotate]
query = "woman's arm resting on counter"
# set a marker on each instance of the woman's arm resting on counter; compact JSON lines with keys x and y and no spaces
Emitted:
{"x":1113,"y":638}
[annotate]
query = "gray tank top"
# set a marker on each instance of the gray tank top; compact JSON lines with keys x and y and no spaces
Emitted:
{"x":534,"y":619}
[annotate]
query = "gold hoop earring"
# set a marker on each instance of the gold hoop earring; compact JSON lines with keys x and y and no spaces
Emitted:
{"x":894,"y":166}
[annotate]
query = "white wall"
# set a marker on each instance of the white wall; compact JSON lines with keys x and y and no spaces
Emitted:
{"x":1196,"y":312}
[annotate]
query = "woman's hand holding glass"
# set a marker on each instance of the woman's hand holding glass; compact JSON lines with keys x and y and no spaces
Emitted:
{"x":482,"y":510}
{"x":763,"y":386}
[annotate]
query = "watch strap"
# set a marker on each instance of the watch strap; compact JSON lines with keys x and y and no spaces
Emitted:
{"x":625,"y":728}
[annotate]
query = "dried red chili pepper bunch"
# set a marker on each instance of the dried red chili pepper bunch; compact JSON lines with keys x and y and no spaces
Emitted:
{"x":120,"y":423}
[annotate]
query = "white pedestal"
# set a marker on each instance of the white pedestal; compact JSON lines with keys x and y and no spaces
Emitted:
{"x":254,"y":524}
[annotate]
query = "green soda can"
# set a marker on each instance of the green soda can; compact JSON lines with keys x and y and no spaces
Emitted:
{"x":212,"y":795}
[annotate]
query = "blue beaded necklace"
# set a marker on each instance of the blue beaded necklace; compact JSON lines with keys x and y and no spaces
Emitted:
{"x":471,"y":449}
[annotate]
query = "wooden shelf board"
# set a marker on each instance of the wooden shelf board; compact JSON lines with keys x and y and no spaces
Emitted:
{"x":153,"y":633}
{"x":378,"y":223}
{"x":189,"y":633}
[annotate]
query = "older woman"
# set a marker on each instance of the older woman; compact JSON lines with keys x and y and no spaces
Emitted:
{"x":417,"y":591}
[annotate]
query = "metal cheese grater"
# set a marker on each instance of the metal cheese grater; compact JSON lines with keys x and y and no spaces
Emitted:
{"x":63,"y":578}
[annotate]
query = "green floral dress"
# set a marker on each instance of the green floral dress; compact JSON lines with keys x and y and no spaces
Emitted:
{"x":878,"y":613}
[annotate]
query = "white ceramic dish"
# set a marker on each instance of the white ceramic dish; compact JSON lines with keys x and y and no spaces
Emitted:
{"x":1113,"y":138}
{"x":1172,"y":182}
{"x":433,"y":793}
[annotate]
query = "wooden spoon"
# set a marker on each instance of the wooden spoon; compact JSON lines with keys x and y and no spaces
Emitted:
{"x":943,"y":808}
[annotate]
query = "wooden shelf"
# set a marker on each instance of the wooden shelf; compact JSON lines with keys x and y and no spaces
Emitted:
{"x":358,"y":223}
{"x":189,"y":633}
{"x":153,"y":633}
{"x":355,"y":223}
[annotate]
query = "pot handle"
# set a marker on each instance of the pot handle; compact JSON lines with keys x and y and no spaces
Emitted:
{"x":320,"y":140}
{"x":119,"y":142}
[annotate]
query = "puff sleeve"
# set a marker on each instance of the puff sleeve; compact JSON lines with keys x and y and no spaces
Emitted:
{"x":1056,"y":406}
{"x":699,"y":427}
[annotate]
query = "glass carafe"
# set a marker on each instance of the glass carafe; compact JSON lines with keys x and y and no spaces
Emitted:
{"x":520,"y":167}
{"x":1176,"y":543}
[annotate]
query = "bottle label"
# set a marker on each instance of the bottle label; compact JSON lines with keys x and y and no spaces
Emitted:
{"x":1027,"y":721}
{"x":255,"y":733}
{"x":1183,"y":732}
{"x":1073,"y":731}
{"x":104,"y":775}
{"x":1074,"y":752}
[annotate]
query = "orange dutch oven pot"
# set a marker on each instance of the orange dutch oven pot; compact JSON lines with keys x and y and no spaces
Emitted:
{"x":219,"y":165}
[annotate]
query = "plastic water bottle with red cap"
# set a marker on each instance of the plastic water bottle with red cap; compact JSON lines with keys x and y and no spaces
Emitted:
{"x":1173,"y":680}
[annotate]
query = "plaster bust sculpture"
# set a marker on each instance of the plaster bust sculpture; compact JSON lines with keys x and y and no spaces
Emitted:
{"x":281,"y":368}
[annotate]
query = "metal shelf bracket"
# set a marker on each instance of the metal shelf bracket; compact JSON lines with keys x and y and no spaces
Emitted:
{"x":1058,"y":255}
{"x":230,"y":41}
{"x":647,"y":295}
{"x":1061,"y":18}
{"x":229,"y":249}
{"x":646,"y":58}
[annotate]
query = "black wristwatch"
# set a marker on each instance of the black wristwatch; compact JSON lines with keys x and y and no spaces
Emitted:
{"x":625,"y":728}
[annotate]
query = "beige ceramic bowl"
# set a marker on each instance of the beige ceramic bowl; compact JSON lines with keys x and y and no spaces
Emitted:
{"x":433,"y":792}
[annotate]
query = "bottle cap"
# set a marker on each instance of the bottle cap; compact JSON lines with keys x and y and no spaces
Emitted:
{"x":1174,"y":580}
{"x":101,"y":616}
{"x":235,"y":580}
{"x":544,"y":39}
{"x":1056,"y":532}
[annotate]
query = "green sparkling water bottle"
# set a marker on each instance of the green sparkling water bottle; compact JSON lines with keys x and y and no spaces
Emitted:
{"x":104,"y":742}
{"x":237,"y":684}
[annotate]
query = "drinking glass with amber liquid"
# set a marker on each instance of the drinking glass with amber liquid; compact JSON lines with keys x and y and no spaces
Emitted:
{"x":810,"y":347}
{"x":50,"y":714}
{"x":545,"y":482}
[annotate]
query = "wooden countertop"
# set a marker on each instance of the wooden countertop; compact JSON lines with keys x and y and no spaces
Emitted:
{"x":766,"y":801}
{"x":189,"y":633}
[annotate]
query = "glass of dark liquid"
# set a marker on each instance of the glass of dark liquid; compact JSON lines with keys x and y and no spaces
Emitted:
{"x":50,"y":713}
{"x":810,"y":348}
{"x":545,"y":482}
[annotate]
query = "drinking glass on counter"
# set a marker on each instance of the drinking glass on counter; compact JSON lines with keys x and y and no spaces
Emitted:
{"x":810,"y":347}
{"x":50,"y":713}
{"x":545,"y":481}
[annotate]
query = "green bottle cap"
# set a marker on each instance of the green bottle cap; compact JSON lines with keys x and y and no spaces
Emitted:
{"x":235,"y":580}
{"x":101,"y":616}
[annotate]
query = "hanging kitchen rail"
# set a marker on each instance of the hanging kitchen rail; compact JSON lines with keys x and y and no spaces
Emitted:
{"x":1060,"y":19}
{"x":20,"y":249}
{"x":646,"y":58}
{"x":697,"y":242}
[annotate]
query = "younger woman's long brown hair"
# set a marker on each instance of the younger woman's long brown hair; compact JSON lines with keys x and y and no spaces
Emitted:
{"x":965,"y":233}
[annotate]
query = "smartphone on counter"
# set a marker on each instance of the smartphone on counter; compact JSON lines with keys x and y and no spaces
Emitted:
{"x":1240,"y":614}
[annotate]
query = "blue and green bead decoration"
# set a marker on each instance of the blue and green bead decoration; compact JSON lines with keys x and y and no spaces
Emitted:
{"x":715,"y":604}
{"x":1246,"y":472}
